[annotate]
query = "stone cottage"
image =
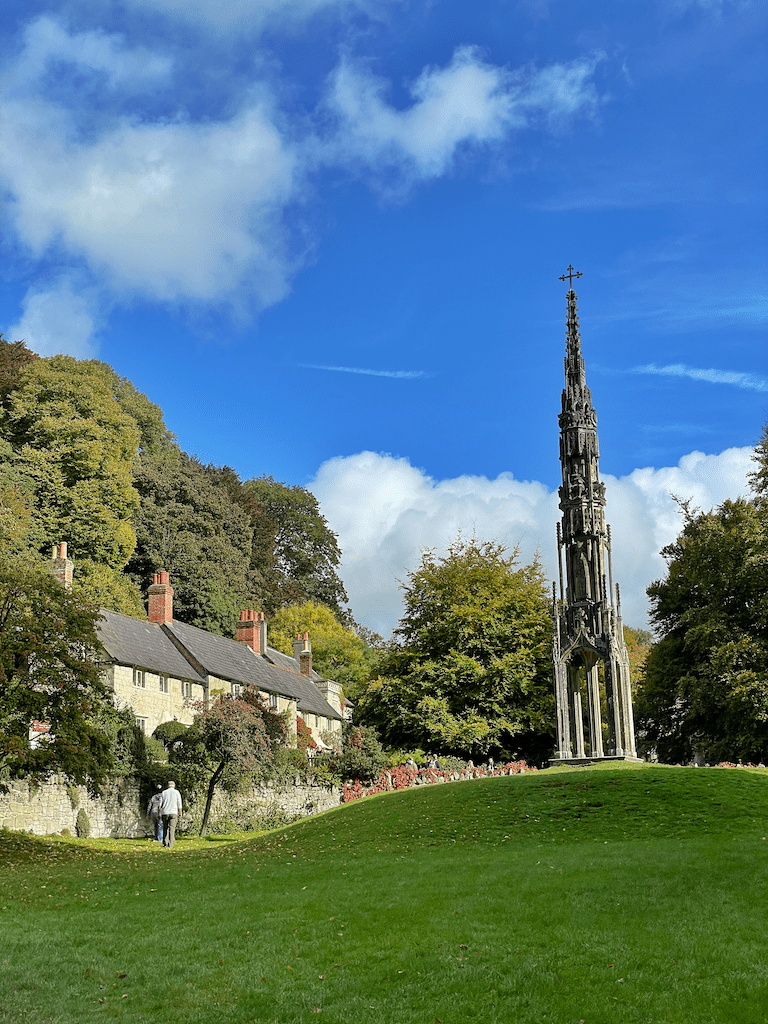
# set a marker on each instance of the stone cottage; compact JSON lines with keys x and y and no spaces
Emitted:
{"x":162,"y":668}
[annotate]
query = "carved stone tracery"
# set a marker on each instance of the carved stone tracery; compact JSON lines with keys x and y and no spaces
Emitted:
{"x":588,"y":628}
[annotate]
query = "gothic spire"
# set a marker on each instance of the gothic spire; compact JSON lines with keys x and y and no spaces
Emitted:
{"x":577,"y":397}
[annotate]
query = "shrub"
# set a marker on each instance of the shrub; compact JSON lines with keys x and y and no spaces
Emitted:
{"x":169,"y":732}
{"x":155,"y":750}
{"x":362,"y":755}
{"x":82,"y":825}
{"x":251,"y":819}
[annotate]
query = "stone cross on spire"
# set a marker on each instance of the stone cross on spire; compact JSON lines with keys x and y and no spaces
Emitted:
{"x":570,"y":274}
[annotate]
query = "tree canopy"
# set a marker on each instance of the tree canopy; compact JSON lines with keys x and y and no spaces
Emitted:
{"x":49,"y":675}
{"x":100,"y":470}
{"x":230,"y":740}
{"x":705,"y":686}
{"x":337,"y":651}
{"x":470,"y":672}
{"x":293,"y":545}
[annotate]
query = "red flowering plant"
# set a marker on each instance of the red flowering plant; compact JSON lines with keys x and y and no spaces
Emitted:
{"x":402,"y":777}
{"x":304,"y":739}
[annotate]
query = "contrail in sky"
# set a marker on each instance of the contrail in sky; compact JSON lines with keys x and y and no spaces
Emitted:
{"x":400,"y":374}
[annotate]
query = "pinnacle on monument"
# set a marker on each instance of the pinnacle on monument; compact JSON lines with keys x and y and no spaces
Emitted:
{"x":588,"y":631}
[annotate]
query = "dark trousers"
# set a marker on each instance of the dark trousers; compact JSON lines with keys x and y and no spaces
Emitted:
{"x":169,"y":829}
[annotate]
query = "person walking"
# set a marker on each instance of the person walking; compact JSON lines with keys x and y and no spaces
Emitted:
{"x":153,"y":813}
{"x":170,"y":808}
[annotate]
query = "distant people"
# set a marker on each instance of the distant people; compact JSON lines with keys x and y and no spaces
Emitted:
{"x":410,"y":763}
{"x":153,"y":813}
{"x":170,"y":808}
{"x":433,"y":763}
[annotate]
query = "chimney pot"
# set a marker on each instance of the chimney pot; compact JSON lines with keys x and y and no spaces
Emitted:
{"x":61,"y":566}
{"x":252,"y":630}
{"x":160,"y":596}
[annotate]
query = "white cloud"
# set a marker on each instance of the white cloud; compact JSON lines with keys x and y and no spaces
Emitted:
{"x":747,"y":381}
{"x":385,"y":512}
{"x":469,"y":102}
{"x":240,"y":15}
{"x":60,"y":318}
{"x":180,"y":210}
{"x":174,"y":210}
{"x":47,"y":41}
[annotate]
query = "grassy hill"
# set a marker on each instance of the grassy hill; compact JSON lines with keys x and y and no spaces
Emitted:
{"x":611,"y":894}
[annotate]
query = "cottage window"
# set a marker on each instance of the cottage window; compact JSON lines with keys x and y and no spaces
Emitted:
{"x":273,"y":700}
{"x":235,"y":689}
{"x":138,"y":677}
{"x":141,"y":723}
{"x":164,"y":688}
{"x":186,"y":689}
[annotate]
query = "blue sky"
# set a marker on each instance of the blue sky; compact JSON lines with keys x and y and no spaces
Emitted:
{"x":326,"y":235}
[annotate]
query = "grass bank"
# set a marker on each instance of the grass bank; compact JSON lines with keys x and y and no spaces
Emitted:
{"x":608,"y":894}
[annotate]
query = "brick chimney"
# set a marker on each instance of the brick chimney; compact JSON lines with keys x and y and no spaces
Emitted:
{"x":252,"y":631}
{"x":302,"y":652}
{"x":160,"y":598}
{"x":61,"y":566}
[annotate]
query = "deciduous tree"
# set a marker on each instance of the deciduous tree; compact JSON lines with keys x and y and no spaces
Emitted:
{"x":231,"y":740}
{"x":471,"y":672}
{"x":293,"y":546}
{"x":49,"y":674}
{"x":705,"y":686}
{"x":337,"y":652}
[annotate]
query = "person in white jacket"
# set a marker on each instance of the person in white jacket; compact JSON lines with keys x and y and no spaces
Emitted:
{"x":170,"y":809}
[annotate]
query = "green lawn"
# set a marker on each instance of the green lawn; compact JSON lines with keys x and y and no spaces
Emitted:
{"x":607,"y":894}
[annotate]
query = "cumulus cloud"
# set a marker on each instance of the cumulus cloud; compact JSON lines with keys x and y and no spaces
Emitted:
{"x":183,"y":210}
{"x":173,"y":210}
{"x":60,"y":318}
{"x":467,"y":103}
{"x":386,"y":511}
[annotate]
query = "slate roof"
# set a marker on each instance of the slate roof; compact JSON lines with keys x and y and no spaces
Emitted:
{"x":143,"y":644}
{"x":275,"y":672}
{"x":151,"y":646}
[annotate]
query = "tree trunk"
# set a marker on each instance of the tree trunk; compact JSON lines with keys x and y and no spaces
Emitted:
{"x":209,"y":799}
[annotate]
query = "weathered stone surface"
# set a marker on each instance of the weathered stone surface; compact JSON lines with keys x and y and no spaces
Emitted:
{"x":119,"y":813}
{"x":588,"y":628}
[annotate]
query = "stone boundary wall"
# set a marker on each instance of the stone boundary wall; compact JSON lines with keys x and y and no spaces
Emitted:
{"x":51,"y":807}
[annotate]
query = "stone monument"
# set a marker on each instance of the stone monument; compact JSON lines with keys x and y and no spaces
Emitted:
{"x":589,"y":654}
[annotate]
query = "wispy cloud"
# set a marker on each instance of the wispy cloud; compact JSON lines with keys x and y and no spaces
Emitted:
{"x":747,"y":381}
{"x":399,"y":374}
